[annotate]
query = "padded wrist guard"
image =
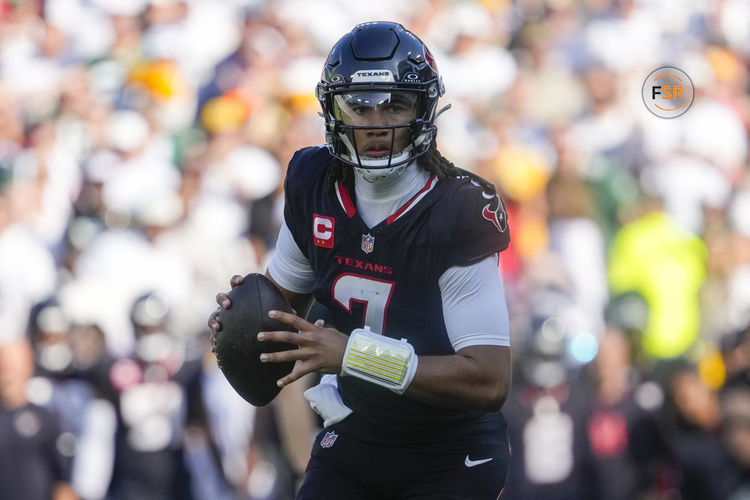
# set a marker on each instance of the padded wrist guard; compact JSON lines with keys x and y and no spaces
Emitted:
{"x":379,"y":359}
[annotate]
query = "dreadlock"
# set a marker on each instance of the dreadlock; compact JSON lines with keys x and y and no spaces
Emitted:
{"x":343,"y":173}
{"x":432,"y":161}
{"x":435,"y":163}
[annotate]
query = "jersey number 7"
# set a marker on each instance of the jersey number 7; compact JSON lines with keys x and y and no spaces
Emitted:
{"x":375,"y":294}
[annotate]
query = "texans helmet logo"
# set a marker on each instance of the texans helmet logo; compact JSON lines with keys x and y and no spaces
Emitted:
{"x":496,"y":215}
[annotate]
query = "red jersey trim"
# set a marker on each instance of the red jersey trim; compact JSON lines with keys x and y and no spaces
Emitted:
{"x":409,"y":204}
{"x":346,"y":201}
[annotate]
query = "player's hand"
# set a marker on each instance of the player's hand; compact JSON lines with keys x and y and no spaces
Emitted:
{"x":224,"y":303}
{"x":320,"y":349}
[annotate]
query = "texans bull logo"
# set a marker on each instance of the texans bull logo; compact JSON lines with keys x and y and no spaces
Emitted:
{"x":494,"y":212}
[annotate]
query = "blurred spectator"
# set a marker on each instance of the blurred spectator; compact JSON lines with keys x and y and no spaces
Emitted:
{"x":546,"y":414}
{"x":66,"y":383}
{"x":666,"y":265}
{"x":689,"y":426}
{"x":233,"y":425}
{"x":33,"y":463}
{"x":575,"y":237}
{"x":162,"y":447}
{"x":27,"y":270}
{"x":735,"y":404}
{"x":621,"y":427}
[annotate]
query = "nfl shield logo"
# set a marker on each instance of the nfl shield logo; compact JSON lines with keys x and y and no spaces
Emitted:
{"x":368,"y":243}
{"x":328,"y":439}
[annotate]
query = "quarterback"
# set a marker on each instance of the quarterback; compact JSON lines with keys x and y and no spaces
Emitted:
{"x":401,"y":247}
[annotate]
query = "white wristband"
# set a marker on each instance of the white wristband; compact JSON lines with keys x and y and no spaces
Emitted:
{"x":326,"y":400}
{"x":379,"y":359}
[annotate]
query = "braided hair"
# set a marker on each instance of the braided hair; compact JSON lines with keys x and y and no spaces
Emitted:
{"x":431,"y":161}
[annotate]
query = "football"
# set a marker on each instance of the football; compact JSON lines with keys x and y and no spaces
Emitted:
{"x":236,"y":346}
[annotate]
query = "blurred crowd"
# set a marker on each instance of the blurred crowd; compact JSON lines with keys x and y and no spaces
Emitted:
{"x":143,"y":145}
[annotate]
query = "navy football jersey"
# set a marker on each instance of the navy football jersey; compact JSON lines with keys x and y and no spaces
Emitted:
{"x":386,"y":277}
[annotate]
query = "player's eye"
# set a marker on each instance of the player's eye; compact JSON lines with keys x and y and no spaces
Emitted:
{"x":396,"y":108}
{"x":399,"y":106}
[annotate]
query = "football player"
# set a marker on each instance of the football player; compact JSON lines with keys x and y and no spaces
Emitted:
{"x":402,"y":249}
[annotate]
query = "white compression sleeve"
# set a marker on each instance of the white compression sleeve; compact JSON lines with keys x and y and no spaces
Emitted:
{"x":289,"y":267}
{"x":474,"y":305}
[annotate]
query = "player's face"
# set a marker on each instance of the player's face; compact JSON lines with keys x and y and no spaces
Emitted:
{"x":378,"y":109}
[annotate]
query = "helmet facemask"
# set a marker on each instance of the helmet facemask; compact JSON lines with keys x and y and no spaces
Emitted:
{"x":378,"y":131}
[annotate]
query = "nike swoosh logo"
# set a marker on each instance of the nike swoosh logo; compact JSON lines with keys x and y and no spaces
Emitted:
{"x":473,"y":463}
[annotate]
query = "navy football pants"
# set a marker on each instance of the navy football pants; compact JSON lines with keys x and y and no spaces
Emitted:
{"x":351,"y":469}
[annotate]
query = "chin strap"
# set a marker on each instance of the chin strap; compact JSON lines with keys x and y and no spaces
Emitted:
{"x":442,"y":110}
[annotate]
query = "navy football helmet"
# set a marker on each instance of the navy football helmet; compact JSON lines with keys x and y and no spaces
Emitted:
{"x":380,"y":66}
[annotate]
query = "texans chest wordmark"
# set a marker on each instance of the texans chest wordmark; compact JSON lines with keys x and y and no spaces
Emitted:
{"x":366,"y":266}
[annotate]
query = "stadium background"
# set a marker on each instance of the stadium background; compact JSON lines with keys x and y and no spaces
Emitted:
{"x":143,"y":145}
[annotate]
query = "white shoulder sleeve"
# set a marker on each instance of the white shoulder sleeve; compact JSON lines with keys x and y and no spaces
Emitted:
{"x":474,"y":306}
{"x":289,"y":267}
